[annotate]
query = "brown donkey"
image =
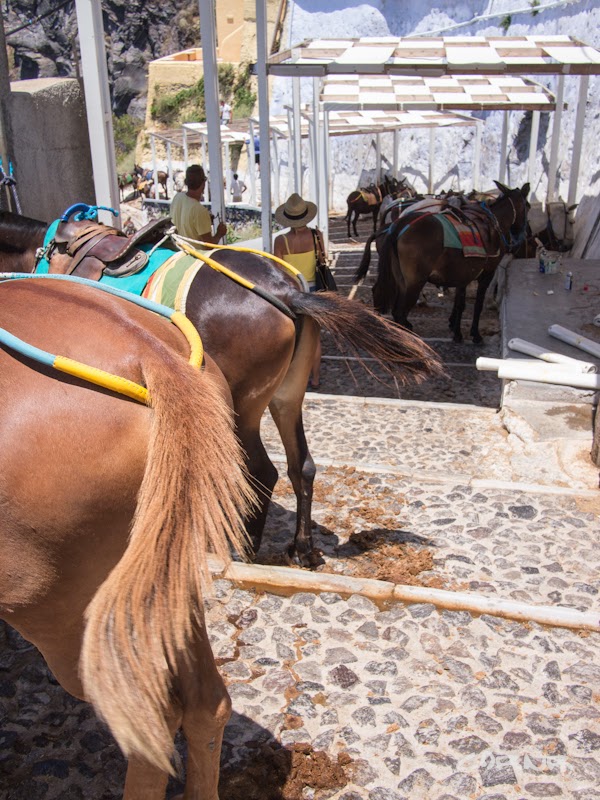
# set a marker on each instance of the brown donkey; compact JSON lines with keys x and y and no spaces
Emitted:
{"x":107,"y":511}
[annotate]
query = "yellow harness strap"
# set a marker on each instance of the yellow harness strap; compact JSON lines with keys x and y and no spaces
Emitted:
{"x":184,"y":244}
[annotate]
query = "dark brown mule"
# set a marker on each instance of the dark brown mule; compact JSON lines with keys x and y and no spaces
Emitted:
{"x":107,"y":511}
{"x":359,"y":204}
{"x":412,"y":253}
{"x":20,"y":237}
{"x":266,"y":358}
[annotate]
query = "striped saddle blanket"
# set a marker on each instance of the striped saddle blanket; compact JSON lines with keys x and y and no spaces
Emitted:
{"x":461,"y":235}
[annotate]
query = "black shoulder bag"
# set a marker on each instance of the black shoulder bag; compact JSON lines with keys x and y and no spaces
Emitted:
{"x":324,"y":280}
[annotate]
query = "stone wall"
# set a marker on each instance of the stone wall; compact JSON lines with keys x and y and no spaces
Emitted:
{"x":51,"y":146}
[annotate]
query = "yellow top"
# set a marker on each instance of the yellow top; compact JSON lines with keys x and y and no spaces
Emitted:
{"x":306,"y":263}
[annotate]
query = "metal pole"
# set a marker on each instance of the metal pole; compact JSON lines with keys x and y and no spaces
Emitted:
{"x":504,"y":147}
{"x":263,"y":115}
{"x":477,"y":156}
{"x":431,"y":157}
{"x":312,"y":156}
{"x":554,"y":145}
{"x":578,"y":138}
{"x":170,"y":183}
{"x":276,"y":178}
{"x":97,"y":104}
{"x":6,"y":149}
{"x":378,"y":170}
{"x":318,"y":149}
{"x":227,"y":174}
{"x":291,"y":153}
{"x":185,"y":150}
{"x":154,"y":169}
{"x":395,"y":155}
{"x":211,"y":101}
{"x":535,"y":129}
{"x":297,"y":135}
{"x":325,"y":187}
{"x":252,"y":164}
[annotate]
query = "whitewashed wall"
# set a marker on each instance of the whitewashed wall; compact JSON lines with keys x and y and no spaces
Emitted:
{"x":454,"y":153}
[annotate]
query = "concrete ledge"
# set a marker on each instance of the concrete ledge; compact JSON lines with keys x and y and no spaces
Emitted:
{"x":287,"y":581}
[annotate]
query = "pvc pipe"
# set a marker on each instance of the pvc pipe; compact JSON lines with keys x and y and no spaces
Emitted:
{"x":530,"y":349}
{"x":574,"y":339}
{"x":288,"y":581}
{"x":549,"y":373}
{"x":494,"y":364}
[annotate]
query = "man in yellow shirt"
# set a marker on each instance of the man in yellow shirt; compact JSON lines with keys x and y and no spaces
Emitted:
{"x":189,"y":216}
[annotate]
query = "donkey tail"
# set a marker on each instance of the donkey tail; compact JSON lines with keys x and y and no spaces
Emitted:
{"x":402,"y":354}
{"x":363,"y":267}
{"x":192,"y":500}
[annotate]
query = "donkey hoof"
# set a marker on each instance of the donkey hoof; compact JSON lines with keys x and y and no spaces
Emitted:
{"x":457,"y":338}
{"x":478,"y":339}
{"x":309,"y":560}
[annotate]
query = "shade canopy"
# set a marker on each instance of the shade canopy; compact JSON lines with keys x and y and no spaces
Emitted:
{"x":430,"y":56}
{"x":457,"y":92}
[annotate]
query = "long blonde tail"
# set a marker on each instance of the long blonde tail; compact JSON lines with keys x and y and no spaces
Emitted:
{"x":192,"y":500}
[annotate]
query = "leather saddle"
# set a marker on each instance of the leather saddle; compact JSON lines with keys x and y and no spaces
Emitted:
{"x":91,"y":249}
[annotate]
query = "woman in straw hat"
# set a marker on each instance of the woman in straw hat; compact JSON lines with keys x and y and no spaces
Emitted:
{"x":299,"y":248}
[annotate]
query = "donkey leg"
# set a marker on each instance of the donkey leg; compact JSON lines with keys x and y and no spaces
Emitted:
{"x":482,"y":286}
{"x":354,"y":221}
{"x":263,"y":476}
{"x":286,"y":410}
{"x":206,"y":710}
{"x":455,"y":318}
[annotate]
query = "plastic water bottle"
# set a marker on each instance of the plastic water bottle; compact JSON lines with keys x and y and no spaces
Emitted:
{"x":569,"y":281}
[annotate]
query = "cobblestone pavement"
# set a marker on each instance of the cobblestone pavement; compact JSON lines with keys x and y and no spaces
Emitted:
{"x":420,"y":703}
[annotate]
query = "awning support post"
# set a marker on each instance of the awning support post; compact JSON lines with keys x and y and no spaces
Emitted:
{"x":263,"y":117}
{"x":578,"y":138}
{"x":554,"y":145}
{"x":211,"y":100}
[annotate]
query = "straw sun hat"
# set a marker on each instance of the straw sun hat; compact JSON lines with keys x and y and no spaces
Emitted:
{"x":295,"y":212}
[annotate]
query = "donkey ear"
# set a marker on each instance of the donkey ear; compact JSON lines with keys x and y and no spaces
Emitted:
{"x":504,"y":189}
{"x":525,"y":189}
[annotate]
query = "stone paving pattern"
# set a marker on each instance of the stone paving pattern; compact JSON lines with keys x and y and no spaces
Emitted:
{"x":426,"y":704}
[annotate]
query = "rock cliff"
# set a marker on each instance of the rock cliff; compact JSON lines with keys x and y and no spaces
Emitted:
{"x":45,"y":44}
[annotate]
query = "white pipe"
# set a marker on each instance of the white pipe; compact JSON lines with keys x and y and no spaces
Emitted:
{"x":549,"y":373}
{"x":287,"y":581}
{"x":530,"y":349}
{"x":493,"y":364}
{"x":574,"y":339}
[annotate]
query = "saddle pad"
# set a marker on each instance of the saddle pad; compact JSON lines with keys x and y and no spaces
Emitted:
{"x":461,"y":236}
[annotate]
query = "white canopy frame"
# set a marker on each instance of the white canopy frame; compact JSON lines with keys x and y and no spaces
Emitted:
{"x":437,"y":56}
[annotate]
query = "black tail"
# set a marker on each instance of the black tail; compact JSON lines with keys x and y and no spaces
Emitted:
{"x":363,"y":267}
{"x":399,"y":352}
{"x":386,"y":286}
